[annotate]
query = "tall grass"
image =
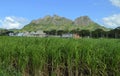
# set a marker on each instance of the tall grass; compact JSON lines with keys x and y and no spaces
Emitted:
{"x":23,"y":56}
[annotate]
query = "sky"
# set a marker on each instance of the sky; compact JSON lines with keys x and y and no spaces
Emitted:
{"x":18,"y":13}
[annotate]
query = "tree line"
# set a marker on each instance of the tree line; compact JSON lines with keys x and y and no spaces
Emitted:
{"x":5,"y":32}
{"x":98,"y":33}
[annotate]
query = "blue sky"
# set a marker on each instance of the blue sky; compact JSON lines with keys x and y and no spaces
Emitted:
{"x":17,"y":13}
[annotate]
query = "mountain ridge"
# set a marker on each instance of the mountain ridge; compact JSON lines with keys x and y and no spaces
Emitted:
{"x":61,"y":23}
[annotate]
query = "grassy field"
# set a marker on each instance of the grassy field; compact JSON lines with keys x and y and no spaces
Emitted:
{"x":23,"y":56}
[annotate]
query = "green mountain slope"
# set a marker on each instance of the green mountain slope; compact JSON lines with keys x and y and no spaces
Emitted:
{"x":61,"y":23}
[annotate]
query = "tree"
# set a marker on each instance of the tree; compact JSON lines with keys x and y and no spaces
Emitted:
{"x":98,"y":33}
{"x":117,"y":32}
{"x":53,"y":32}
{"x":4,"y":32}
{"x":84,"y":33}
{"x":60,"y":32}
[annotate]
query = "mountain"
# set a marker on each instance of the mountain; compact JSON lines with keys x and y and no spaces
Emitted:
{"x":61,"y":23}
{"x":83,"y":21}
{"x":55,"y":20}
{"x":2,"y":29}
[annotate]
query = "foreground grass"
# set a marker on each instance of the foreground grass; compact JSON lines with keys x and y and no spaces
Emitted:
{"x":22,"y":56}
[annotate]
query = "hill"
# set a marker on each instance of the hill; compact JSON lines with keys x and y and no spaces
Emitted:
{"x":61,"y":23}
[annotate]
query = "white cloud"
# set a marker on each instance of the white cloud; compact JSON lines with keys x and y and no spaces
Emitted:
{"x":116,"y":2}
{"x":112,"y":21}
{"x":11,"y":22}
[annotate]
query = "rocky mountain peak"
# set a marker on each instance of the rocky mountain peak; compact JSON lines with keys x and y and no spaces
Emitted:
{"x":57,"y":22}
{"x":83,"y":21}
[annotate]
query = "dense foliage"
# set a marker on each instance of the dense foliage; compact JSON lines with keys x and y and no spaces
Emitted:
{"x":4,"y":32}
{"x":24,"y":56}
{"x":97,"y":33}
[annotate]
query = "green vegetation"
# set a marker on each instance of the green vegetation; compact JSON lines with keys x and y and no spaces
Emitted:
{"x":55,"y":22}
{"x":24,"y":56}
